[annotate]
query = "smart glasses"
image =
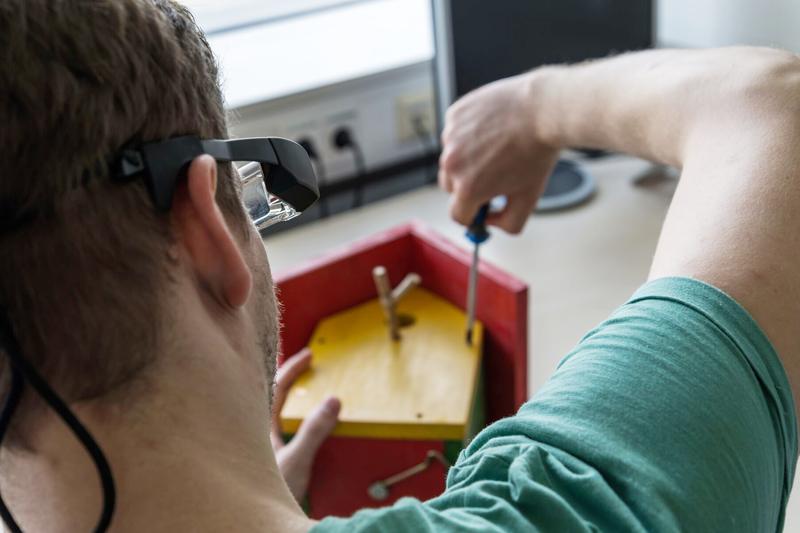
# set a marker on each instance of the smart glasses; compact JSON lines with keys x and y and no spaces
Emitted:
{"x":278,"y":181}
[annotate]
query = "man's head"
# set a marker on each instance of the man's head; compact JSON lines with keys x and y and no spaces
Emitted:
{"x":90,"y":273}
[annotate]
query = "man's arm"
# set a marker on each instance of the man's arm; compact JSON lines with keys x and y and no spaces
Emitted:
{"x":730,"y":118}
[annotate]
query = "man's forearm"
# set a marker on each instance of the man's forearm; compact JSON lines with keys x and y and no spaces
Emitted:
{"x":731,"y":119}
{"x":652,"y":103}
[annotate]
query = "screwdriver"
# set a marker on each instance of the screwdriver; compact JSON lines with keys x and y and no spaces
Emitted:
{"x":477,"y":234}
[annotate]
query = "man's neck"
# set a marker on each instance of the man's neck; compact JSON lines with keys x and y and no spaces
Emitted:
{"x":187,"y":461}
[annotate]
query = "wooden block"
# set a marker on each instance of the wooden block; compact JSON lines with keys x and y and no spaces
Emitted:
{"x":317,"y":289}
{"x":342,"y":279}
{"x":419,"y":387}
{"x":345,"y":468}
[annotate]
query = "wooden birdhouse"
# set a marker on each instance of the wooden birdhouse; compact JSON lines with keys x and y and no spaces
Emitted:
{"x":413,"y":391}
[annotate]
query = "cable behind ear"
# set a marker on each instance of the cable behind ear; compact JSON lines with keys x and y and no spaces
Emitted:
{"x":22,"y":371}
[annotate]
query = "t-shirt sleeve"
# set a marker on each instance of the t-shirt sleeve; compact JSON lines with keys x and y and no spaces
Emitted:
{"x":673,"y":415}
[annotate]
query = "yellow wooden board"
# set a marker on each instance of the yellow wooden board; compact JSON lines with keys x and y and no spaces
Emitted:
{"x":421,"y":387}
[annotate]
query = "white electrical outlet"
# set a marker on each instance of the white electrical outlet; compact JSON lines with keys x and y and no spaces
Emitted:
{"x":413,"y":107}
{"x":371,"y":107}
{"x":320,"y":131}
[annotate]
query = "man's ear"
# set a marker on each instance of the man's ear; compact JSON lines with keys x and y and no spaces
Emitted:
{"x":203,"y":231}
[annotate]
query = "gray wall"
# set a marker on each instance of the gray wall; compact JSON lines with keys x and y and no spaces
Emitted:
{"x":696,"y":23}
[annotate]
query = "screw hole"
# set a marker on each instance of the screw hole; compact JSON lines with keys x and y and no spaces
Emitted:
{"x":405,"y":321}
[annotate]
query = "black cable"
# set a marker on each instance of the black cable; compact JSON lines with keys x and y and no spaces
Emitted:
{"x":22,"y":369}
{"x":343,"y":138}
{"x":428,"y":144}
{"x":10,"y":406}
{"x":361,"y":169}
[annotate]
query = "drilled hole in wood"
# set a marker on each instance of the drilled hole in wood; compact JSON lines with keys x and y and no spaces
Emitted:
{"x":405,"y":321}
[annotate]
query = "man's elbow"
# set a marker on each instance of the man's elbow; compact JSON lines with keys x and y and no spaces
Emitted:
{"x":750,"y":97}
{"x":768,"y":86}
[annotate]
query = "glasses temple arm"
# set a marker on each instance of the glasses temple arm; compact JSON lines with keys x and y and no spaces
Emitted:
{"x":226,"y":151}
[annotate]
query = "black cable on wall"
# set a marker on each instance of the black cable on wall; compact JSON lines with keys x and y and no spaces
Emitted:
{"x":343,"y":139}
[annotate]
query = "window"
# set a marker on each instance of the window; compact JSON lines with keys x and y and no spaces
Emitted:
{"x":215,"y":16}
{"x":268,"y":49}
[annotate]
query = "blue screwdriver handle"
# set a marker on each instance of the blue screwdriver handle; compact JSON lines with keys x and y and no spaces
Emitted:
{"x":477,"y":232}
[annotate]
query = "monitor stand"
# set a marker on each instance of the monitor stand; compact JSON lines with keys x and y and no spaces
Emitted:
{"x":568,"y":186}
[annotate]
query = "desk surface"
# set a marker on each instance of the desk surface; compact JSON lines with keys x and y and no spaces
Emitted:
{"x":580,"y":264}
{"x":421,"y":386}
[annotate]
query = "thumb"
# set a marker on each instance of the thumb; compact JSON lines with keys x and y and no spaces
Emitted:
{"x":316,"y":428}
{"x":296,"y":459}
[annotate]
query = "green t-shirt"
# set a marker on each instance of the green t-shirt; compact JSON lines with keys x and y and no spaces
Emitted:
{"x":673,"y":415}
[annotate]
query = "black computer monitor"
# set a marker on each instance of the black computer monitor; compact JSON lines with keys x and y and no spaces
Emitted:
{"x":479,"y":41}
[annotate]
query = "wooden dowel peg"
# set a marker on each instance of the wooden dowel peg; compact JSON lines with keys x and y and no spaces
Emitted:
{"x":389,"y":297}
{"x":409,"y":282}
{"x":381,"y":278}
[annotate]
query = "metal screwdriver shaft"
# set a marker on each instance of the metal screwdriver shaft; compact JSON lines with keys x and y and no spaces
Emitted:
{"x":477,"y":234}
{"x":471,"y":290}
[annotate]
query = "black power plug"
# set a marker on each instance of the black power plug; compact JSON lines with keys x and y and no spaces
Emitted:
{"x":343,"y":139}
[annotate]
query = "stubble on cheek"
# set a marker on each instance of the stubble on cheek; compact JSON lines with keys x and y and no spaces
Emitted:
{"x":268,"y":321}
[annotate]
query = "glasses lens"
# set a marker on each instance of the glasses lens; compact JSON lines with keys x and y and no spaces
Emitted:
{"x":254,"y":192}
{"x":264,"y":208}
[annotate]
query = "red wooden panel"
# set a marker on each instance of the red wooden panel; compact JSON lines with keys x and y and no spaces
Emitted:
{"x":342,"y":279}
{"x":346,"y":467}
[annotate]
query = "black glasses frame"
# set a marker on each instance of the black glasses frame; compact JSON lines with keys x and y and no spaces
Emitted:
{"x":287,"y":169}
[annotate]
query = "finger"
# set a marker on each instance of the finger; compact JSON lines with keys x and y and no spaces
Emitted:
{"x":316,"y":428}
{"x":450,"y":158}
{"x":444,"y":138}
{"x":296,"y":459}
{"x":276,"y":438}
{"x":287,"y":374}
{"x":515,"y":215}
{"x":445,"y":183}
{"x":464,"y":205}
{"x":449,"y":120}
